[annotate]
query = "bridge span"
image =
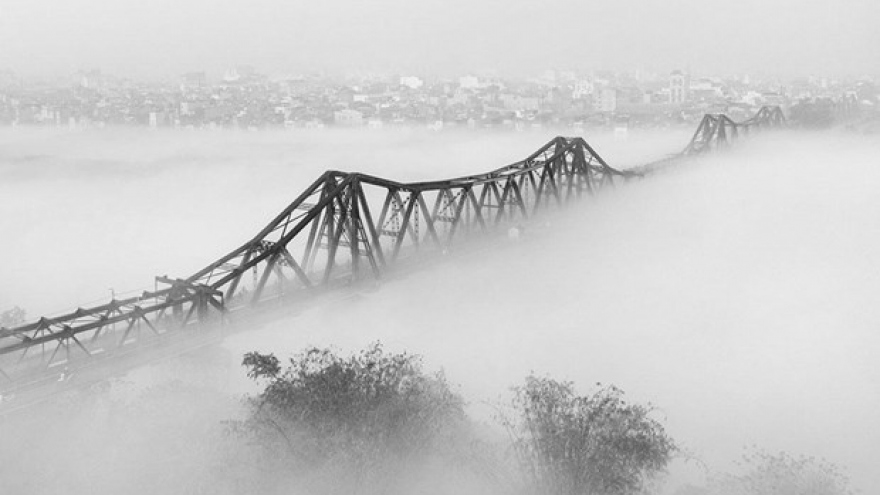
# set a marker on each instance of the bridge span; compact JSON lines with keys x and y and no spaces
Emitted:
{"x":344,"y":227}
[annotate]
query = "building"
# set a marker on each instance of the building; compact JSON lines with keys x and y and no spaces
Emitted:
{"x":520,"y":103}
{"x":411,"y":82}
{"x":156,"y":119}
{"x":606,"y":100}
{"x":581,"y":89}
{"x":469,"y":82}
{"x":231,"y":76}
{"x":348,"y":117}
{"x":678,"y":87}
{"x":193,"y":81}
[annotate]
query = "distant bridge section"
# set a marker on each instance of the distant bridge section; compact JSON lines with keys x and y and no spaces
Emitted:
{"x":718,"y":130}
{"x":342,"y":228}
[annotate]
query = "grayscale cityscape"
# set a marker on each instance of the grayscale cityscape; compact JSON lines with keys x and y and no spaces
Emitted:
{"x":244,"y":98}
{"x":439,"y":247}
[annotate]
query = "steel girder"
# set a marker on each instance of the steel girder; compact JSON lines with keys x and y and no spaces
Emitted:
{"x":342,"y":227}
{"x":718,"y":130}
{"x":349,"y":225}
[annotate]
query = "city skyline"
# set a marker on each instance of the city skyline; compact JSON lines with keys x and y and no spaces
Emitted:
{"x":245,"y":98}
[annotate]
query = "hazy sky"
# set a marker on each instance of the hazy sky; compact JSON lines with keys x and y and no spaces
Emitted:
{"x":158,"y":38}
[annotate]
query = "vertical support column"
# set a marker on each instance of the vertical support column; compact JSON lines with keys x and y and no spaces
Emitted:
{"x":354,"y":228}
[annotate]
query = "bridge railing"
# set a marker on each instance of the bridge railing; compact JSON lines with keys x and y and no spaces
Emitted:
{"x":342,"y":227}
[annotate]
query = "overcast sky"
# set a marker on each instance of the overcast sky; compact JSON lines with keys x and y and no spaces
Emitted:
{"x":159,"y":38}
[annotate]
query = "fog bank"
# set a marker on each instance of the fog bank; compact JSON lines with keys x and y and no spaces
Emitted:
{"x":94,"y":210}
{"x":737,"y":292}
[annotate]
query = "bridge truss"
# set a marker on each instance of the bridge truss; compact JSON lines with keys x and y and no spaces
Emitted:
{"x":718,"y":130}
{"x":342,"y":228}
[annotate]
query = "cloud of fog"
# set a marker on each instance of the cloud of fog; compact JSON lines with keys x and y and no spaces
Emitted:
{"x":90,"y":211}
{"x":735,"y":292}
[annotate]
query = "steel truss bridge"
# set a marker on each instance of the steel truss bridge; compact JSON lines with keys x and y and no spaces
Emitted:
{"x":344,"y":227}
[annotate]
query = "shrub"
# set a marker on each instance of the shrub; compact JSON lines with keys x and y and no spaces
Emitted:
{"x":594,"y":444}
{"x":358,"y":415}
{"x":12,"y":317}
{"x":784,"y":474}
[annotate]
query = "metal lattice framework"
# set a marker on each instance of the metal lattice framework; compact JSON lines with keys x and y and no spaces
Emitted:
{"x":718,"y":130}
{"x":342,"y":228}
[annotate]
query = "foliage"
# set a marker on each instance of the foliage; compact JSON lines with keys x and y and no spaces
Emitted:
{"x":594,"y":444}
{"x":361,"y":413}
{"x":784,"y":474}
{"x":12,"y":317}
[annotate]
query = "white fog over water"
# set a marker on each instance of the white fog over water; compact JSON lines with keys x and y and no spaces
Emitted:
{"x":99,"y":209}
{"x":737,"y":293}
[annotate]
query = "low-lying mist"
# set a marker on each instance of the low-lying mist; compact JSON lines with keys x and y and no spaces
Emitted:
{"x":737,"y":292}
{"x":93,"y":211}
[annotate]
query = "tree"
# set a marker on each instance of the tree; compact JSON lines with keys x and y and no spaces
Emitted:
{"x":12,"y":317}
{"x":784,"y":474}
{"x":356,"y":416}
{"x":594,"y":444}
